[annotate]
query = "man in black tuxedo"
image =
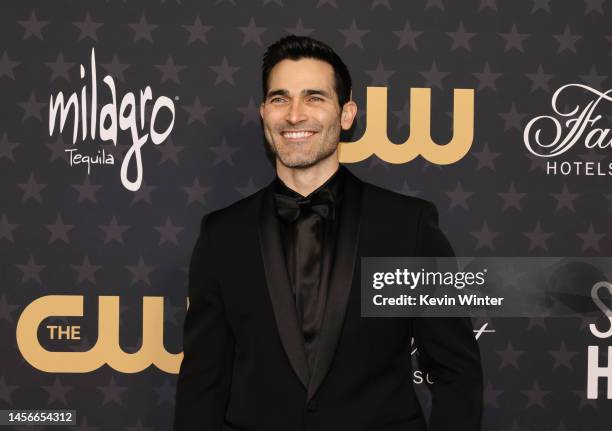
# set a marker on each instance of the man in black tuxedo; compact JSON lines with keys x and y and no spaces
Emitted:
{"x":273,"y":339}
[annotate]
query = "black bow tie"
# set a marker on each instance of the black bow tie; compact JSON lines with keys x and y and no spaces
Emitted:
{"x":321,"y":202}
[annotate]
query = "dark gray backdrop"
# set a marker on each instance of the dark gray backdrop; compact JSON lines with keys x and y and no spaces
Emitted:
{"x":64,"y":232}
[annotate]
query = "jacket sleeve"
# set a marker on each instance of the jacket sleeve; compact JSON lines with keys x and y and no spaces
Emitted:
{"x":205,"y":373}
{"x":447,"y":349}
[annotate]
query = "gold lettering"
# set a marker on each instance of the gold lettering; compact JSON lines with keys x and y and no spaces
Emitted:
{"x":69,"y":332}
{"x":375,"y":140}
{"x":51,"y":329}
{"x":107,"y":348}
{"x":42,"y":359}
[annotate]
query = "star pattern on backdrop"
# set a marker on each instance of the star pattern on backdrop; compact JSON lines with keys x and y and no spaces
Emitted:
{"x":59,"y":230}
{"x":64,"y":230}
{"x":197,"y":112}
{"x":491,"y":395}
{"x":562,"y":357}
{"x":197,"y":31}
{"x":6,"y":228}
{"x":112,"y":392}
{"x":32,"y":108}
{"x":115,"y":68}
{"x":567,"y":40}
{"x":510,"y":356}
{"x":484,"y":237}
{"x":380,"y":76}
{"x":32,"y":189}
{"x":512,"y":198}
{"x":168,"y":232}
{"x":57,"y":392}
{"x":7,"y":66}
{"x":252,"y":33}
{"x":7,"y":310}
{"x":407,"y":36}
{"x":487,"y":78}
{"x":540,"y":80}
{"x":486,"y":158}
{"x":565,"y":199}
{"x":60,"y":68}
{"x":353,"y":35}
{"x":169,"y":71}
{"x":7,"y":147}
{"x":33,"y":26}
{"x":250,"y":113}
{"x":433,"y":77}
{"x":514,"y":40}
{"x":460,"y":38}
{"x":143,"y":30}
{"x":538,"y":237}
{"x":88,"y":28}
{"x":225,"y":72}
{"x":299,"y":29}
{"x":140,"y":272}
{"x":543,"y":5}
{"x":31,"y":270}
{"x":459,"y":197}
{"x":86,"y":271}
{"x":113,"y":231}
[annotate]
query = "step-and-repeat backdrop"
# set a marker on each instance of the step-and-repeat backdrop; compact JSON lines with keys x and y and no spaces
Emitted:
{"x":123,"y":122}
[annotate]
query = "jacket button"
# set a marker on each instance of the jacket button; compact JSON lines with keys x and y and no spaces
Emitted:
{"x":312,"y":406}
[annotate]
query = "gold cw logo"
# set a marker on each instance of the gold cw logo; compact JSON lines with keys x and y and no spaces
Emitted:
{"x":107,"y":349}
{"x":375,"y":140}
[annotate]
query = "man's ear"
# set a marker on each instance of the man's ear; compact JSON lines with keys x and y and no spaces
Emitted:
{"x":349,"y":111}
{"x":261,"y":109}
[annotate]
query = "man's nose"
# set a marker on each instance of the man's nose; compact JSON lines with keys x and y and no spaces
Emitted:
{"x":296,"y":113}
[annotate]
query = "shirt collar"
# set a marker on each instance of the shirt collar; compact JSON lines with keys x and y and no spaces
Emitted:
{"x":334,"y":184}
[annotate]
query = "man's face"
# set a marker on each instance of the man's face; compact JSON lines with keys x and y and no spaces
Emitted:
{"x":300,"y":113}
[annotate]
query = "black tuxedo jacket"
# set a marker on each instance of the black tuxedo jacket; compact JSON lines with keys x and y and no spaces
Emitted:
{"x":244,"y":366}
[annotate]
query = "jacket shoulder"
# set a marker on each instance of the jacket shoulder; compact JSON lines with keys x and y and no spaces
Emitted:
{"x":234,"y":215}
{"x":380,"y":197}
{"x":408,"y":223}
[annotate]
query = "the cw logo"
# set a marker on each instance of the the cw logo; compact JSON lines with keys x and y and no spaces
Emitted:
{"x":375,"y":140}
{"x":107,"y":349}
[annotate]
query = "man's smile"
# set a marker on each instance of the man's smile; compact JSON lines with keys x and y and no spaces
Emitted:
{"x":297,"y":135}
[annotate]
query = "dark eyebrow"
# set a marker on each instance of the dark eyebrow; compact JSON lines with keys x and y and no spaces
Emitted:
{"x":316,"y":91}
{"x":306,"y":92}
{"x":277,"y":93}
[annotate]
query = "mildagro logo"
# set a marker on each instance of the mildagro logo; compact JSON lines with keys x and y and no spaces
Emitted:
{"x":375,"y":140}
{"x":107,"y":349}
{"x":112,"y":116}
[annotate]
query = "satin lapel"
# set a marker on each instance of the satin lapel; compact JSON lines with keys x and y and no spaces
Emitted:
{"x":280,"y":289}
{"x":340,"y":280}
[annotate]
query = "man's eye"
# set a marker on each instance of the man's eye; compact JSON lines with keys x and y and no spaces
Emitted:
{"x":316,"y":99}
{"x":276,"y":99}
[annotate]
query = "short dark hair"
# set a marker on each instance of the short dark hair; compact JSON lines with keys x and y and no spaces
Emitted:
{"x":296,"y":47}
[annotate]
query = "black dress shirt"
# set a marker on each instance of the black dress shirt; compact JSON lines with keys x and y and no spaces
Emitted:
{"x":308,"y":290}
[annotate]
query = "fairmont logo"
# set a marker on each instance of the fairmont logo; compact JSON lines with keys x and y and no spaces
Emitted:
{"x":577,"y":126}
{"x":117,"y":114}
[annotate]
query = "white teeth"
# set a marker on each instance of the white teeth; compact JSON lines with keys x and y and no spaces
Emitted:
{"x":297,"y":135}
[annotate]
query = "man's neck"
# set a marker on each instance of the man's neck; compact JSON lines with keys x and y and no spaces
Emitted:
{"x":306,"y":180}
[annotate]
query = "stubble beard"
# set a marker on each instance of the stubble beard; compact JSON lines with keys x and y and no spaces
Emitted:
{"x":298,"y":160}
